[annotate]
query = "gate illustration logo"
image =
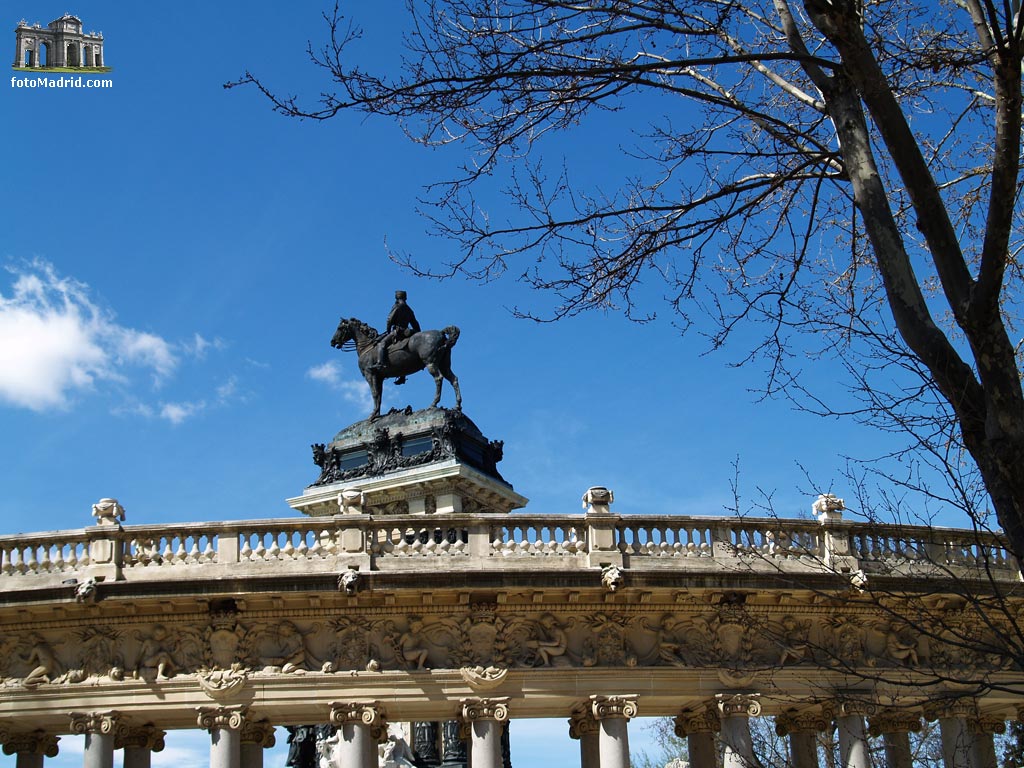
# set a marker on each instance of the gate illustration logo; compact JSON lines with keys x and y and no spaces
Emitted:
{"x":60,"y":46}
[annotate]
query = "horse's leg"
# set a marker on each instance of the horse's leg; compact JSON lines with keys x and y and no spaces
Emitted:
{"x":433,"y":371}
{"x":376,"y":386}
{"x":454,"y":381}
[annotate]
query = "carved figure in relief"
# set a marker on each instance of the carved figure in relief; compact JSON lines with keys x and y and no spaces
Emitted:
{"x":98,"y":654}
{"x":670,"y":651}
{"x":901,"y":648}
{"x":795,"y":647}
{"x":554,"y":643}
{"x":287,"y":649}
{"x":155,"y":654}
{"x":410,"y":645}
{"x":43,"y":657}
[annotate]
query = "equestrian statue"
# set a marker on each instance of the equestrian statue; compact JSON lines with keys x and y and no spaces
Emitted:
{"x":402,"y":349}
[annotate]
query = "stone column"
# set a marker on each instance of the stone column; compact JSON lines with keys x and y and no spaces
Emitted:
{"x":984,"y":730}
{"x":958,"y":743}
{"x":853,"y":738}
{"x":424,"y":744}
{"x":584,"y":727}
{"x":485,"y":718}
{"x":613,"y":713}
{"x":699,"y":727}
{"x":894,"y":726}
{"x":100,"y":730}
{"x":31,"y":748}
{"x":456,"y":752}
{"x":139,"y":744}
{"x":358,"y":724}
{"x":802,"y":728}
{"x":224,"y":725}
{"x":735,"y":711}
{"x":256,"y":736}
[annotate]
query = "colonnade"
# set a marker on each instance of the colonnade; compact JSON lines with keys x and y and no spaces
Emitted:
{"x":601,"y":724}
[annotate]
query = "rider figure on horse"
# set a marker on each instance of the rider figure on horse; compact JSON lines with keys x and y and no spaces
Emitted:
{"x":401,"y":324}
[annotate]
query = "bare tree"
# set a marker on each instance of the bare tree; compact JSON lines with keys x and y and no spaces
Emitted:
{"x":844,"y":173}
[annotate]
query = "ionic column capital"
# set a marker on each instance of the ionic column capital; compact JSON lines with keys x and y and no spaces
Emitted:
{"x":484,"y":709}
{"x":939,"y":710}
{"x":106,"y":723}
{"x":582,"y":722}
{"x":990,"y":724}
{"x":33,"y":743}
{"x":733,"y":704}
{"x":800,"y":722}
{"x":849,"y":706}
{"x":697,"y":721}
{"x":232,"y":718}
{"x":357,"y":713}
{"x":608,"y":707}
{"x":146,"y":736}
{"x":894,"y":721}
{"x":259,"y":732}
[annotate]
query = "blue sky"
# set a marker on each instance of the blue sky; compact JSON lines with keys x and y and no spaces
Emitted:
{"x":175,"y":260}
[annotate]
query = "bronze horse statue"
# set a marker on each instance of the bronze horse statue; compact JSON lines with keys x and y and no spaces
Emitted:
{"x":427,"y":349}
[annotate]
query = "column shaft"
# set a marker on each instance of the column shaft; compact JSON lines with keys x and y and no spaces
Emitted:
{"x":957,"y":742}
{"x":225,"y":748}
{"x":803,"y":749}
{"x":485,"y":747}
{"x":251,"y":755}
{"x":355,"y":745}
{"x":99,"y":750}
{"x":29,"y":760}
{"x":739,"y":749}
{"x":853,"y":742}
{"x":984,"y":753}
{"x":613,"y":743}
{"x":701,"y":748}
{"x":897,"y":750}
{"x":137,"y":757}
{"x":590,"y":750}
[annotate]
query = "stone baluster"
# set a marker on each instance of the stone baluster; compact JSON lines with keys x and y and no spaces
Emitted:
{"x":100,"y":730}
{"x":894,"y":726}
{"x":139,"y":744}
{"x":456,"y":750}
{"x":584,"y":727}
{"x":485,"y":718}
{"x":984,"y":749}
{"x":424,"y":744}
{"x":359,"y":725}
{"x":853,"y":738}
{"x":30,"y":747}
{"x":735,"y":711}
{"x":256,"y":736}
{"x":802,"y":728}
{"x":699,"y":727}
{"x":958,"y":742}
{"x":224,"y":725}
{"x":613,"y":713}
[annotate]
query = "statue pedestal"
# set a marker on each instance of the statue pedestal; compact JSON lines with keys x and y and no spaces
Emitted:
{"x":434,"y":461}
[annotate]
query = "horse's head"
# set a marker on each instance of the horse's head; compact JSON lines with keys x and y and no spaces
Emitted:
{"x":343,"y":334}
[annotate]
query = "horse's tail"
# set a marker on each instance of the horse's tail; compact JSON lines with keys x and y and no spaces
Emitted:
{"x":451,"y":335}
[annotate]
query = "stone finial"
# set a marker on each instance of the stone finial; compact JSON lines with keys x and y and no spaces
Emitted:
{"x":107,"y":512}
{"x":828,"y":508}
{"x":598,"y":499}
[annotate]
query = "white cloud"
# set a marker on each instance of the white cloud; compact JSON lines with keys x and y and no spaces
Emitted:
{"x":176,"y":413}
{"x":353,"y":391}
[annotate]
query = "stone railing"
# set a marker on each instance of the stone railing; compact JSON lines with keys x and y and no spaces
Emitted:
{"x":502,"y":542}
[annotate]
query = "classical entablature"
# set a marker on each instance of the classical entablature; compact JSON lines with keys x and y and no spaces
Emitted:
{"x":488,"y":616}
